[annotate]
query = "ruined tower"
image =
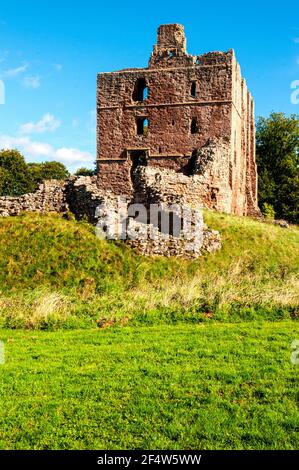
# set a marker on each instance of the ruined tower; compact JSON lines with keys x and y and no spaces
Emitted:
{"x":189,"y":117}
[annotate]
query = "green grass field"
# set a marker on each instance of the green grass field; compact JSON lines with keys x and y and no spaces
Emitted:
{"x":224,"y":386}
{"x":105,"y":349}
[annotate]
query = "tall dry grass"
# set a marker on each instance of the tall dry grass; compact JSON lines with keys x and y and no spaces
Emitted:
{"x":36,"y":309}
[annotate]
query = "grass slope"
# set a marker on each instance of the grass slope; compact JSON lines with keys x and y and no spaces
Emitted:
{"x":189,"y":354}
{"x":54,"y":272}
{"x":225,"y":386}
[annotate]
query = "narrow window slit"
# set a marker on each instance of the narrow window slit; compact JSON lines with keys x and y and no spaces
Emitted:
{"x":193,"y":89}
{"x":142,"y":126}
{"x":140,"y":92}
{"x":194,"y":126}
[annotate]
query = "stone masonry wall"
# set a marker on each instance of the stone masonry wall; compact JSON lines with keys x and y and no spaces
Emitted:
{"x":83,"y":197}
{"x":80,"y":195}
{"x":50,"y":197}
{"x":208,"y":90}
{"x":153,"y":184}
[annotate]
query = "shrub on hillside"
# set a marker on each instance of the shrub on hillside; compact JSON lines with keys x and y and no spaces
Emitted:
{"x":47,"y":171}
{"x":17,"y":177}
{"x":268,"y":211}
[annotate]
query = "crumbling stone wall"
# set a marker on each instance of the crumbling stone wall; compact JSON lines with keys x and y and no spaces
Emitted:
{"x":191,"y":102}
{"x":161,"y":245}
{"x":83,"y":197}
{"x":152,"y":185}
{"x":50,"y":197}
{"x":190,"y":241}
{"x":79,"y":195}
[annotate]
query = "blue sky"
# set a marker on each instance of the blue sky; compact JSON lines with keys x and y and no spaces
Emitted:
{"x":51,"y":52}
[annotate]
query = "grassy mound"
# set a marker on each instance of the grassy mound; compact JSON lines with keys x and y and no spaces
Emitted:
{"x":55,"y":272}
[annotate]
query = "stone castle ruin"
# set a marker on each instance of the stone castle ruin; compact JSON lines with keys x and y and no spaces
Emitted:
{"x":188,"y":119}
{"x":177,"y":133}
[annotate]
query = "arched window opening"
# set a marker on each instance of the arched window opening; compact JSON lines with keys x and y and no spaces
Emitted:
{"x":140,"y":92}
{"x":193,"y":89}
{"x":194,"y":126}
{"x":142,"y":126}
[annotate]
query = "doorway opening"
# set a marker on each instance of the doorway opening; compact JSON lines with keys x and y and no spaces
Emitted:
{"x":137,"y":158}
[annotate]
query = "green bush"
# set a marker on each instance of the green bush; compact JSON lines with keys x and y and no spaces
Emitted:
{"x":268,"y":211}
{"x":85,"y":172}
{"x":17,"y":177}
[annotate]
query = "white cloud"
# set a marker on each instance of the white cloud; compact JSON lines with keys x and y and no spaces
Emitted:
{"x":41,"y":151}
{"x":72,"y":155}
{"x":15,"y":72}
{"x":36,"y":149}
{"x":25,"y":145}
{"x":48,"y":123}
{"x":33,"y":81}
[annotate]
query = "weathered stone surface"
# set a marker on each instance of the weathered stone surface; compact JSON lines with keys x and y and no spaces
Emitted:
{"x":180,"y":248}
{"x":153,"y":184}
{"x":281,"y":223}
{"x":50,"y":197}
{"x":83,"y":197}
{"x":148,"y":239}
{"x":196,"y":106}
{"x":79,"y":195}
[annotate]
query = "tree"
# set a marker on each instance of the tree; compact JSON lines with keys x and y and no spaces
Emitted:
{"x":84,"y":172}
{"x":47,"y":171}
{"x":277,"y":145}
{"x":15,"y":178}
{"x":3,"y":177}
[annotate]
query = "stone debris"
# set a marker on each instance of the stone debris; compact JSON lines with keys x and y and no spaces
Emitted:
{"x":281,"y":223}
{"x":111,"y":214}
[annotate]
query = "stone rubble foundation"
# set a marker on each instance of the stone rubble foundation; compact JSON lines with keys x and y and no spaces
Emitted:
{"x":83,"y":197}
